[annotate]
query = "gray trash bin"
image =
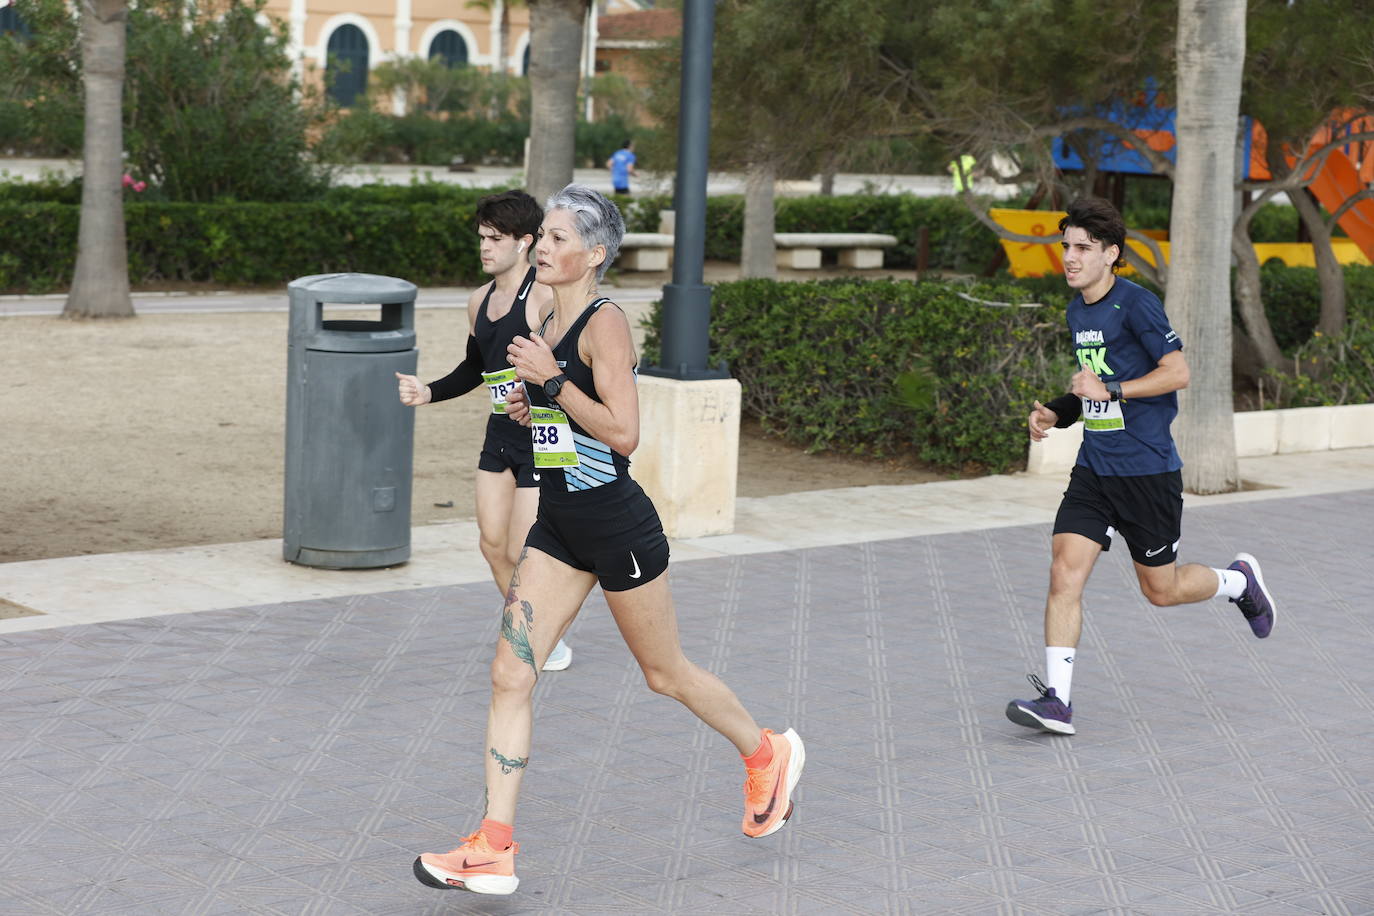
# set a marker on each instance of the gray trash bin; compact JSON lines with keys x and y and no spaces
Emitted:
{"x":349,"y":440}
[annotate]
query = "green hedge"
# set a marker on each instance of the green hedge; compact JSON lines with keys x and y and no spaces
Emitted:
{"x":886,"y":368}
{"x":958,"y":242}
{"x":1325,"y":370}
{"x":249,"y":244}
{"x":420,"y":138}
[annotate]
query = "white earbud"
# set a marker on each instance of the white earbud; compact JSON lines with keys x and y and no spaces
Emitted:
{"x":521,"y":248}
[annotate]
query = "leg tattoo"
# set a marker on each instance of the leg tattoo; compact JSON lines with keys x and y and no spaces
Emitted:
{"x":509,"y":764}
{"x":515,"y":573}
{"x":518,"y":636}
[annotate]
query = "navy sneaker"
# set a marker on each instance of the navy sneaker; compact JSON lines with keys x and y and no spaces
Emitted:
{"x":1255,"y":602}
{"x":1046,"y":712}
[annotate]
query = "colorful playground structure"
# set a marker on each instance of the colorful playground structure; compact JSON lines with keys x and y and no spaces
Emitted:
{"x":1341,"y":175}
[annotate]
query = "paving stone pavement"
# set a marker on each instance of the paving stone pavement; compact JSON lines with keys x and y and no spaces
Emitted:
{"x":294,"y":758}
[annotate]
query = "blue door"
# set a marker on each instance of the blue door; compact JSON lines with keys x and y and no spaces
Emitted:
{"x":346,"y":65}
{"x":449,"y":47}
{"x":10,"y":23}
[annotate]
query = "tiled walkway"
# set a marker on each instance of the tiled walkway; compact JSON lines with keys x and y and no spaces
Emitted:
{"x":293,"y":758}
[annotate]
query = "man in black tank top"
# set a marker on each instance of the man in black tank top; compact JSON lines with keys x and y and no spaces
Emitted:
{"x":506,"y":308}
{"x":595,"y":525}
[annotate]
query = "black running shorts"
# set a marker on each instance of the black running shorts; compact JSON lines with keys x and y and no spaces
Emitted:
{"x":507,"y":448}
{"x":611,"y":530}
{"x":1146,"y":510}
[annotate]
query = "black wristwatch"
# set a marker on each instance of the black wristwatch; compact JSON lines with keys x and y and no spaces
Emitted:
{"x":1114,"y":391}
{"x":555,"y":384}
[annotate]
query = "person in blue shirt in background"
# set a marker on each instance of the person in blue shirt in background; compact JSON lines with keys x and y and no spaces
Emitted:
{"x":622,"y":166}
{"x":1128,"y":478}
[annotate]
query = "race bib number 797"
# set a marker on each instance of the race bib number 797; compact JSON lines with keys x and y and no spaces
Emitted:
{"x":1099,"y":416}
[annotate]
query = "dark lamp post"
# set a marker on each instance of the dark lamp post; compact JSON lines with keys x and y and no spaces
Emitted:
{"x":687,"y":300}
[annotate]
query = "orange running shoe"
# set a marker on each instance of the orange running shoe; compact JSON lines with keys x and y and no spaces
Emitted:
{"x":473,"y":866}
{"x":768,"y":791}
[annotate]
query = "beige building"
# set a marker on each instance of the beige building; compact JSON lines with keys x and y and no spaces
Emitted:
{"x":624,"y":39}
{"x":357,"y":35}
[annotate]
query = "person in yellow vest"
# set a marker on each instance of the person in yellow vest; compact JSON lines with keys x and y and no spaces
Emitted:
{"x":962,"y":171}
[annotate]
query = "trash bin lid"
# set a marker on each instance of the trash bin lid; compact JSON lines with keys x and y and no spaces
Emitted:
{"x":395,"y":330}
{"x":351,"y":288}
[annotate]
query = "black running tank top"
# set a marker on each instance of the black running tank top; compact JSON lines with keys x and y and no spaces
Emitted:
{"x":493,"y":337}
{"x":598,"y":463}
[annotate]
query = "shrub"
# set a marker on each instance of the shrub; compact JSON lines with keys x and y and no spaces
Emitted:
{"x":1292,"y":300}
{"x":40,"y":94}
{"x":1326,"y":370}
{"x":884,"y":367}
{"x":210,"y":107}
{"x":1274,"y":223}
{"x":40,"y":246}
{"x":48,"y":190}
{"x":419,"y":138}
{"x":250,"y":244}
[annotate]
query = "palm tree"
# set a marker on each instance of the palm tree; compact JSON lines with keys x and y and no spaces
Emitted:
{"x":100,"y":287}
{"x":1211,"y":53}
{"x":556,"y":29}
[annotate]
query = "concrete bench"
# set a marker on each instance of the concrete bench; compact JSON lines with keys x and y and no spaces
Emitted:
{"x":644,"y":251}
{"x":859,"y":250}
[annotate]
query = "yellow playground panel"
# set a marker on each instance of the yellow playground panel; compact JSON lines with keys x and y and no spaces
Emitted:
{"x":1038,"y":259}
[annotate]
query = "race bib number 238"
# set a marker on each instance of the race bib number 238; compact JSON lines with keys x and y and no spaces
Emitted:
{"x":552,"y":439}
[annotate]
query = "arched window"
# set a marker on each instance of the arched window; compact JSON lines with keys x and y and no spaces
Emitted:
{"x":525,"y":63}
{"x":347,"y":64}
{"x":10,"y":23}
{"x":450,"y":47}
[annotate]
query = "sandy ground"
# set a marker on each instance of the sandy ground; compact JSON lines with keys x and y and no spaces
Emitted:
{"x":167,"y":430}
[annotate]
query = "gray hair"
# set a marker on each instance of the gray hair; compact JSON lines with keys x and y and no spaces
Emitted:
{"x":598,"y":220}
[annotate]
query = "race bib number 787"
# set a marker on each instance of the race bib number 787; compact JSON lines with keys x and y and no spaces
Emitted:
{"x":500,"y":384}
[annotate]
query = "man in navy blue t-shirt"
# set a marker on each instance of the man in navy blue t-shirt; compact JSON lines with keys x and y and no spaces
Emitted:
{"x":1127,"y":479}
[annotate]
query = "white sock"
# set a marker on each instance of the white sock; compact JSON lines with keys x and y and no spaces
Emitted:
{"x":1230,"y":582}
{"x":1059,"y":670}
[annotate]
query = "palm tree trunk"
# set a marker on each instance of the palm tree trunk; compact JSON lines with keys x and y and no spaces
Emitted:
{"x":100,"y":287}
{"x":758,"y":254}
{"x":1211,"y":52}
{"x":503,"y":30}
{"x":556,"y":28}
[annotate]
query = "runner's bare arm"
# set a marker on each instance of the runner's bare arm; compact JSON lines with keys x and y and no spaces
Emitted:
{"x":605,"y":345}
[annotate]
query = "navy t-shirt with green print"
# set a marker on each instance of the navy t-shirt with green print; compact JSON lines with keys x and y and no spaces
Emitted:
{"x":1123,"y":336}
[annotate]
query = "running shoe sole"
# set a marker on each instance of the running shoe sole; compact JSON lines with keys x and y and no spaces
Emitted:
{"x":794,"y":771}
{"x":1023,"y":716}
{"x":433,"y":876}
{"x":557,"y":662}
{"x":1259,"y":580}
